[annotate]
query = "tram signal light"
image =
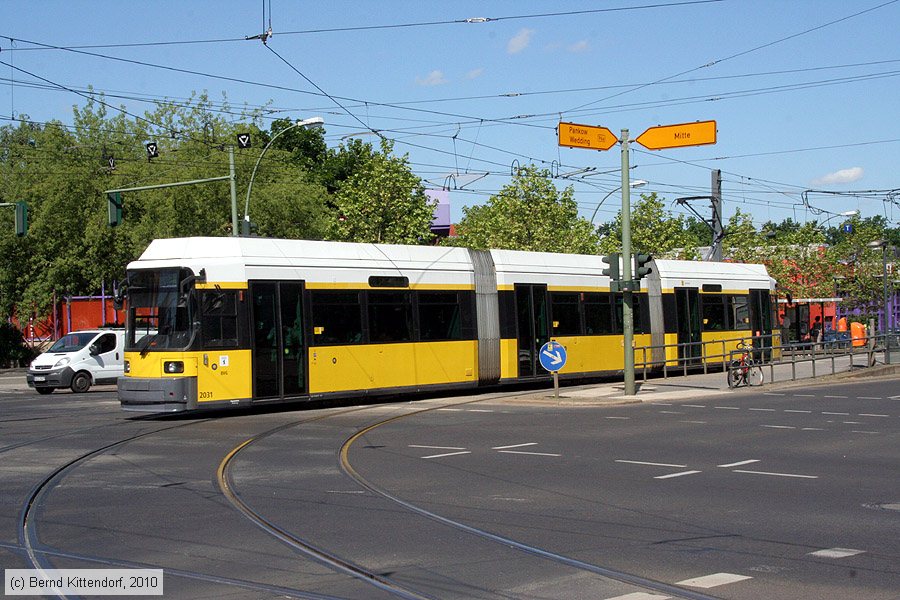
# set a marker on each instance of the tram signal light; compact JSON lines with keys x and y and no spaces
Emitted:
{"x":21,"y":218}
{"x":642,"y":265}
{"x":114,"y":208}
{"x":613,"y":270}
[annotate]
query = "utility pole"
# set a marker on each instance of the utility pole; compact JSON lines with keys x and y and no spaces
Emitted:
{"x":627,"y":294}
{"x":718,"y":231}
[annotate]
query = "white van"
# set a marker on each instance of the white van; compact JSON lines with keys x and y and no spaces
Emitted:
{"x":79,"y":360}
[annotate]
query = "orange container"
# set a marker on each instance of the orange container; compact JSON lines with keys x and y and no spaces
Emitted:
{"x":858,"y":334}
{"x":842,"y":324}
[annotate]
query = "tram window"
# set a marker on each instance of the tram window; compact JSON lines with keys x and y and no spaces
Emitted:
{"x":740,"y":312}
{"x":565,"y":314}
{"x":336,"y":317}
{"x":219,"y":319}
{"x":439,"y":316}
{"x":713,"y":308}
{"x":597,"y":314}
{"x":390,"y":317}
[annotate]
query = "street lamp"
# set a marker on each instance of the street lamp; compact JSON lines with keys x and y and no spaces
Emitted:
{"x":846,"y":213}
{"x":310,"y":123}
{"x":634,"y":184}
{"x":883,"y":244}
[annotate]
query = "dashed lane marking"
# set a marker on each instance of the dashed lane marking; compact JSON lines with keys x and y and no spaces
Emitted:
{"x":795,"y":475}
{"x":679,"y":474}
{"x":479,"y":410}
{"x":836,"y":396}
{"x":869,"y":432}
{"x":869,"y":398}
{"x":694,"y":422}
{"x":435,"y":447}
{"x":836,"y":552}
{"x":727,"y":407}
{"x":812,"y":429}
{"x":669,"y":412}
{"x":651,"y":464}
{"x":763,"y":409}
{"x":514,"y":446}
{"x":839,"y":414}
{"x":804,"y":395}
{"x":872,"y":415}
{"x":714,"y":580}
{"x":447,"y":454}
{"x":694,"y":405}
{"x":641,"y":596}
{"x":805,"y":412}
{"x":528,"y":453}
{"x":739,"y":464}
{"x":618,"y":418}
{"x":778,"y":426}
{"x":774,"y":394}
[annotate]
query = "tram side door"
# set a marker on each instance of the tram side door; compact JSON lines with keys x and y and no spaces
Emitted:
{"x":687,"y":309}
{"x":532,"y":325}
{"x":279,"y":340}
{"x":761,"y":321}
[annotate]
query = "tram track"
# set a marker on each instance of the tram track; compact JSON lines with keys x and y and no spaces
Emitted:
{"x":340,"y":564}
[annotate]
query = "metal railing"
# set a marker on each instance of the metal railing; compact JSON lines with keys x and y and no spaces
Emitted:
{"x":768,"y":352}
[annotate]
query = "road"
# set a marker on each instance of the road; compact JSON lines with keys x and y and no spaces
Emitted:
{"x":777,"y":493}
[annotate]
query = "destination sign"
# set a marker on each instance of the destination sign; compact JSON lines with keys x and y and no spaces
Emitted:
{"x":586,"y":136}
{"x":676,"y":136}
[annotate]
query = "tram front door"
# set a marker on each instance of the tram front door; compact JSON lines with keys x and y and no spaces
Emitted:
{"x":532,"y":324}
{"x":279,"y":345}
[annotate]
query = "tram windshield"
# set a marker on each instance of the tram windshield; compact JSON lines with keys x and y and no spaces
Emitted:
{"x":161,"y":306}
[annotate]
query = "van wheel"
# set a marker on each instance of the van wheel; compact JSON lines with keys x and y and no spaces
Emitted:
{"x":44,"y":390}
{"x":81,"y":383}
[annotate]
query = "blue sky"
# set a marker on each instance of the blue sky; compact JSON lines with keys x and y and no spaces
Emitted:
{"x":804,"y":92}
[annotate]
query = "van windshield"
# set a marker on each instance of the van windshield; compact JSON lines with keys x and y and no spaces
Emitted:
{"x":72,"y":342}
{"x":161,"y":304}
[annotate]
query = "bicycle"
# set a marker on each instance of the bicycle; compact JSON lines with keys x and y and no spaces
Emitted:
{"x":744,"y":370}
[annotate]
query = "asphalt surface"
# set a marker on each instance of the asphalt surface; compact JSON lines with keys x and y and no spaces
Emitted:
{"x":688,"y":490}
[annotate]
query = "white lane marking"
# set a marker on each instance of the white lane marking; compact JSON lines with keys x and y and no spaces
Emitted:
{"x":805,"y":412}
{"x":669,"y":412}
{"x":481,"y":410}
{"x":619,"y":418}
{"x":763,"y":409}
{"x":893,"y":397}
{"x":838,"y":414}
{"x":714,"y":580}
{"x":694,"y":422}
{"x":641,"y":596}
{"x":777,"y":474}
{"x":528,"y":453}
{"x":447,"y":454}
{"x":869,"y":398}
{"x":739,"y":464}
{"x":514,"y":446}
{"x":661,"y":404}
{"x":804,"y":395}
{"x":836,"y":396}
{"x":836,"y":552}
{"x":671,"y":475}
{"x":774,"y":394}
{"x":436,"y":447}
{"x":812,"y":429}
{"x":872,"y":415}
{"x":728,"y":407}
{"x":451,"y":409}
{"x":652,"y":464}
{"x":853,"y":423}
{"x":873,"y":432}
{"x":778,"y":426}
{"x":695,"y":405}
{"x":345,"y":491}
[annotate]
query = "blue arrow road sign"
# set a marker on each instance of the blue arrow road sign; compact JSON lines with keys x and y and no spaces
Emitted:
{"x":553,"y":356}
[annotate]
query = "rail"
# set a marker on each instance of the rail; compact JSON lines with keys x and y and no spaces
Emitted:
{"x":804,"y":359}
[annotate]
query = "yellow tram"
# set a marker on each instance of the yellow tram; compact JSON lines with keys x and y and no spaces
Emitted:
{"x":215,"y":322}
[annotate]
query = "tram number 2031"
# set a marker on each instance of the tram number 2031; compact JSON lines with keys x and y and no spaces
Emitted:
{"x":206,"y":395}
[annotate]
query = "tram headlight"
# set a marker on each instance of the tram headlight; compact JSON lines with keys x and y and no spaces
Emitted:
{"x":173,"y":366}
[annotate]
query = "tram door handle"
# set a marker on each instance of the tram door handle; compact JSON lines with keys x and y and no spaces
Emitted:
{"x":206,"y":360}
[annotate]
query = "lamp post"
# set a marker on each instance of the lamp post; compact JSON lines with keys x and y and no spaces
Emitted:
{"x":883,"y":244}
{"x":634,"y":184}
{"x":309,"y":123}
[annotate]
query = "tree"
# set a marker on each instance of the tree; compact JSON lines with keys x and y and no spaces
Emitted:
{"x":383,"y":202}
{"x":653,"y":231}
{"x":529,"y":213}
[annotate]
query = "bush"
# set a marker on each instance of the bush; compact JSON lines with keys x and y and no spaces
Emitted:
{"x":14,"y":352}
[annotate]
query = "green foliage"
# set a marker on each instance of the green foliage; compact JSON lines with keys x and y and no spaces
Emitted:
{"x":383,"y":202}
{"x":529,"y":213}
{"x":653,"y":231}
{"x":14,"y":352}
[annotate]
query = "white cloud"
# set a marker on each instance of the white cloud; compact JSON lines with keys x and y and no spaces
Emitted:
{"x":475,"y":73}
{"x":520,"y":41}
{"x":843,"y":176}
{"x":580,"y":46}
{"x":433,"y":78}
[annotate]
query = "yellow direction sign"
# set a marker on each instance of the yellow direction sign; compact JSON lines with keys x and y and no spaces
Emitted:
{"x":676,"y":136}
{"x":586,"y":136}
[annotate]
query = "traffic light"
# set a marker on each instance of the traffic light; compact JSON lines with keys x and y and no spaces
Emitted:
{"x":21,"y":218}
{"x":613,"y":270}
{"x":641,"y":265}
{"x":114,"y":208}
